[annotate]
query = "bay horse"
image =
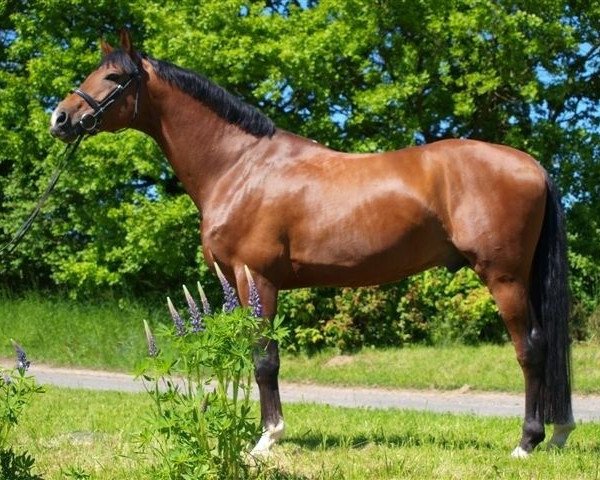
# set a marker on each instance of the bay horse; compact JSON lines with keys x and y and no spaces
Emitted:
{"x":301,"y":215}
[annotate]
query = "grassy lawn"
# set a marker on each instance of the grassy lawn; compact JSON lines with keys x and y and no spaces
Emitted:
{"x":486,"y":367}
{"x":63,"y":332}
{"x":92,"y":432}
{"x":70,"y":430}
{"x":110,"y":336}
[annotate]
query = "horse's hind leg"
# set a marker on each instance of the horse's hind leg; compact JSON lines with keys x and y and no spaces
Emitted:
{"x":561,"y":433}
{"x":530,"y":345}
{"x":511,"y":296}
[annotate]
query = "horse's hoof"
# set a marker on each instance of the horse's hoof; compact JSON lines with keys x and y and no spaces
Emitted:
{"x":271,"y":434}
{"x":560,"y":435}
{"x":519,"y":453}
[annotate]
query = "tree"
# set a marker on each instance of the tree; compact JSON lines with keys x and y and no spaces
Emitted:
{"x":354,"y":74}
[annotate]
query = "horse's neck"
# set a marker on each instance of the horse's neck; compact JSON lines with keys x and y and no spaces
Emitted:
{"x":199,"y":145}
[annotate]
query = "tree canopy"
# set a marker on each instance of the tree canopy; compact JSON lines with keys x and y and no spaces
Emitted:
{"x":357,"y":75}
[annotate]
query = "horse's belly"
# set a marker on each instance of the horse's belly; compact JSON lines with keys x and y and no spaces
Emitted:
{"x":381,"y":250}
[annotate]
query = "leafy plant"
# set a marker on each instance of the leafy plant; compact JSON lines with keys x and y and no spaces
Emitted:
{"x":76,"y":473}
{"x":16,"y":466}
{"x":16,"y":392}
{"x":200,"y":381}
{"x":434,"y":307}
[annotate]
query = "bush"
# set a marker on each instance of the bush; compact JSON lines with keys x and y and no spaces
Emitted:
{"x":585,"y":294}
{"x":452,"y":308}
{"x":16,"y":393}
{"x":200,"y":381}
{"x":434,"y":307}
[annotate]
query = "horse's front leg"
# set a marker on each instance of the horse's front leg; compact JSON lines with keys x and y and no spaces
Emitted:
{"x":266,"y":362}
{"x":266,"y":371}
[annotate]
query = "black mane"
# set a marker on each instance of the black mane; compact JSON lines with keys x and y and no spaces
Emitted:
{"x":227,"y":106}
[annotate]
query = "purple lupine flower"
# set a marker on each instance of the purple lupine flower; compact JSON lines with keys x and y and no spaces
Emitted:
{"x":22,"y":362}
{"x":253,"y":296}
{"x":231,"y":300}
{"x":205,"y":305}
{"x":177,"y":321}
{"x":195,"y":317}
{"x":150,"y":340}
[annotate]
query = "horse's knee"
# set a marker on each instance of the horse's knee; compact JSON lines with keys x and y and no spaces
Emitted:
{"x":266,"y":368}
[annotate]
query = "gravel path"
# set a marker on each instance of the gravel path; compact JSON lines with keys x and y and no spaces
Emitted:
{"x":586,"y":407}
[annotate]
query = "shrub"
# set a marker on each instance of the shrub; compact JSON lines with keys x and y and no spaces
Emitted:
{"x":460,"y":308}
{"x":16,"y":393}
{"x":585,"y":294}
{"x":200,"y":380}
{"x":434,"y":307}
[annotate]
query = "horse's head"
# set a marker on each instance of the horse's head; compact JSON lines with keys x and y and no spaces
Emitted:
{"x":107,"y":100}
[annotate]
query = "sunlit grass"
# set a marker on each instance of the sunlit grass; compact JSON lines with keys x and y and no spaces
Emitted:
{"x":109,"y":336}
{"x":93,"y":432}
{"x":88,"y":430}
{"x":63,"y":332}
{"x":486,"y":367}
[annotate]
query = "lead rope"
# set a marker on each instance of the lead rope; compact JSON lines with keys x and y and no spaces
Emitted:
{"x":68,"y":154}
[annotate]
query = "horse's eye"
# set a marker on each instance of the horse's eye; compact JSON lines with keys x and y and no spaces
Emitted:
{"x":113,"y":77}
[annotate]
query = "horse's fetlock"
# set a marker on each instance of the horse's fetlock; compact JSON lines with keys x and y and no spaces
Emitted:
{"x":533,"y":434}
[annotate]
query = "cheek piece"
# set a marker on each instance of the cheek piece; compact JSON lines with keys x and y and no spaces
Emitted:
{"x":90,"y":122}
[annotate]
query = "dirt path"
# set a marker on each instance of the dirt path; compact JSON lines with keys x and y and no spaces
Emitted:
{"x":586,"y":407}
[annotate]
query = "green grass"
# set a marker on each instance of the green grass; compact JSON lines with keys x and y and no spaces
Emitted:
{"x":110,"y":336}
{"x":487,"y":367}
{"x":62,"y":332}
{"x":85,"y":429}
{"x":92,"y":431}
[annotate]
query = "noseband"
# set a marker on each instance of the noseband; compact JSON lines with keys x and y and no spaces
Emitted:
{"x":90,"y":122}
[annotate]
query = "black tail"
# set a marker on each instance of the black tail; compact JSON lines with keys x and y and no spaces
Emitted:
{"x":550,"y":300}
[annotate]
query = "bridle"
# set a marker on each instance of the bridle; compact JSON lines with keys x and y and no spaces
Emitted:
{"x":90,"y":122}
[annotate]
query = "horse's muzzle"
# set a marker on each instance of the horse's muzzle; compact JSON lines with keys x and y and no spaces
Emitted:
{"x":61,"y":126}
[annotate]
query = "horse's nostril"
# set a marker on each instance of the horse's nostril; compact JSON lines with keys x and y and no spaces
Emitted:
{"x":62,"y":119}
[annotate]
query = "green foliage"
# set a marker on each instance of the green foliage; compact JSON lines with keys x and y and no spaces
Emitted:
{"x":16,"y":466}
{"x":202,"y":424}
{"x":585,"y":292}
{"x":76,"y":473}
{"x":353,"y":74}
{"x":452,"y":308}
{"x":435,"y":307}
{"x":16,"y":393}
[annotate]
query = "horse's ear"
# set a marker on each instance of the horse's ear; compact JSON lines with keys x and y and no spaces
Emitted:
{"x":126,"y":44}
{"x":105,"y":47}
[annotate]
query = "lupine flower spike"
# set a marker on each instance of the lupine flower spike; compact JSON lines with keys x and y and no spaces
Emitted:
{"x":195,"y":317}
{"x":231,"y":300}
{"x":253,"y":296}
{"x":152,"y":350}
{"x":22,"y":362}
{"x":205,"y":305}
{"x":177,"y":321}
